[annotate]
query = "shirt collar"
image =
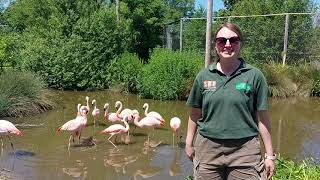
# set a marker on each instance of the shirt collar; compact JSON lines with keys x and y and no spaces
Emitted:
{"x":243,"y":66}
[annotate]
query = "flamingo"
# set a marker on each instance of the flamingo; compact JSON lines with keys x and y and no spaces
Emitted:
{"x":112,"y":117}
{"x":175,"y":123}
{"x":126,"y":112}
{"x":75,"y":126}
{"x":147,"y":122}
{"x":86,"y":106}
{"x":116,"y":129}
{"x":7,"y":128}
{"x":95,"y":111}
{"x":134,"y":113}
{"x":152,"y":113}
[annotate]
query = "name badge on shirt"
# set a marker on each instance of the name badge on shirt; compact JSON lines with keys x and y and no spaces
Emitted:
{"x":210,"y":85}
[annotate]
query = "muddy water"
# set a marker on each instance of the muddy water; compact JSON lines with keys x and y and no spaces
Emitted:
{"x":43,"y":154}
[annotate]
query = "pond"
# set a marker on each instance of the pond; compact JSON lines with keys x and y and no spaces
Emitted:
{"x":41,"y":153}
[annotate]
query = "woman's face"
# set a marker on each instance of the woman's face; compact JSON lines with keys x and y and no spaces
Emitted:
{"x":227,"y":44}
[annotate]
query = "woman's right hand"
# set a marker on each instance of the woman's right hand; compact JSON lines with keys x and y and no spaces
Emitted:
{"x":190,"y":152}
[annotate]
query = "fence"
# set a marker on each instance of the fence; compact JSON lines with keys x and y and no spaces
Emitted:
{"x":286,"y":38}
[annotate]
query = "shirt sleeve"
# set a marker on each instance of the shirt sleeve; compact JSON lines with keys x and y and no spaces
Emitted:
{"x":261,"y":92}
{"x":195,"y":96}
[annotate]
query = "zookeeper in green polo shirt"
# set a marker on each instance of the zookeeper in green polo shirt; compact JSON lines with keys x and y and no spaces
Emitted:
{"x":229,"y":109}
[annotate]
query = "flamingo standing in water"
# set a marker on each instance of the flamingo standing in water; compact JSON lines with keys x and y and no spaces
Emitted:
{"x":152,"y":113}
{"x":75,"y":126}
{"x":147,"y":122}
{"x":126,"y":112}
{"x":7,"y":128}
{"x":112,"y":117}
{"x":116,"y":129}
{"x":95,"y":111}
{"x":175,"y":123}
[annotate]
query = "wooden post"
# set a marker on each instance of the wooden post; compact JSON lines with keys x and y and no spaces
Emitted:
{"x":181,"y":28}
{"x":285,"y":40}
{"x":208,"y":33}
{"x":117,"y":10}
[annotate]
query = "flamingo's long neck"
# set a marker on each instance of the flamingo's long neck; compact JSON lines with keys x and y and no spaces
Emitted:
{"x":106,"y":113}
{"x":136,"y":121}
{"x":119,"y":110}
{"x":146,"y":110}
{"x":127,"y":125}
{"x":95,"y":105}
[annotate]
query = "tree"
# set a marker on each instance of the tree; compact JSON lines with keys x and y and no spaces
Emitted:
{"x":264,"y":35}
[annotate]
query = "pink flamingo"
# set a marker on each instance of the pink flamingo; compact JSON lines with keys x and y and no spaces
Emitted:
{"x":7,"y":128}
{"x":152,"y":113}
{"x":126,"y":112}
{"x":147,"y":122}
{"x":112,"y":117}
{"x":86,"y":106}
{"x":75,"y":126}
{"x":95,"y":111}
{"x":116,"y":129}
{"x":175,"y":123}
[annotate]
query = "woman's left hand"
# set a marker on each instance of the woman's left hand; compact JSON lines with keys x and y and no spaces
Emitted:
{"x":270,"y":167}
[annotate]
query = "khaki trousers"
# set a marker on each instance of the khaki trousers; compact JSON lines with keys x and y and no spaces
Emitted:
{"x":231,"y":159}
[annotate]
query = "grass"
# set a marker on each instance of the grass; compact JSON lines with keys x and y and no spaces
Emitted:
{"x":289,"y":170}
{"x":22,"y":94}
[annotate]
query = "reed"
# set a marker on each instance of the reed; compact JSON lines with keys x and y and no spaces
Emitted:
{"x":22,"y":94}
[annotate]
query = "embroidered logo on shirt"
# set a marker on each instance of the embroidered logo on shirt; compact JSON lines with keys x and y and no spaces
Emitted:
{"x":245,"y":86}
{"x":210,"y":85}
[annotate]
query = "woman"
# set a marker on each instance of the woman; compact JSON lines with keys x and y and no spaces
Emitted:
{"x":229,"y":106}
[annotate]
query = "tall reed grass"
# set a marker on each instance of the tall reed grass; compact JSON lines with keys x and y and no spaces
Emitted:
{"x":22,"y":94}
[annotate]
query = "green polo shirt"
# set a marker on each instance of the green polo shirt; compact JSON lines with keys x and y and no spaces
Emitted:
{"x":229,"y":104}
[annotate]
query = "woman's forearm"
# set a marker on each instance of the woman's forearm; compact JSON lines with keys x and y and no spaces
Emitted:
{"x":265,"y":131}
{"x":192,"y":125}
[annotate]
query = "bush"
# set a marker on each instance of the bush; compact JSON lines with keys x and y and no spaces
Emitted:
{"x":22,"y":93}
{"x":287,"y":169}
{"x":169,"y":75}
{"x":124,"y":71}
{"x":279,"y":81}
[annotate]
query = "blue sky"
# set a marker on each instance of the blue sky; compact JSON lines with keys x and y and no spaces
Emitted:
{"x":218,"y":4}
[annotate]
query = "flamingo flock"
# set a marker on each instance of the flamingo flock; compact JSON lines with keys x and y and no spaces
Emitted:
{"x":120,"y":120}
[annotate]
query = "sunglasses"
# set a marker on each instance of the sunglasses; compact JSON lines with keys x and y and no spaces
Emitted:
{"x":221,"y":41}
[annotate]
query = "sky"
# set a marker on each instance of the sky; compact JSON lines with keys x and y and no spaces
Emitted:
{"x":218,"y":4}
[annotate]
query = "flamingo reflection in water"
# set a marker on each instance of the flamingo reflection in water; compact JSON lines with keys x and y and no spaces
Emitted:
{"x":76,"y":172}
{"x":119,"y":161}
{"x":146,"y":173}
{"x":6,"y":129}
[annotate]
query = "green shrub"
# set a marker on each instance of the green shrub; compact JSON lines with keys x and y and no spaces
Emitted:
{"x":305,"y":76}
{"x":287,"y":169}
{"x":22,"y":93}
{"x":169,"y":74}
{"x":124,"y":71}
{"x":279,"y":81}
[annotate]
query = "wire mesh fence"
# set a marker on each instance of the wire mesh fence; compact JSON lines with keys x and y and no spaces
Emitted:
{"x":289,"y":37}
